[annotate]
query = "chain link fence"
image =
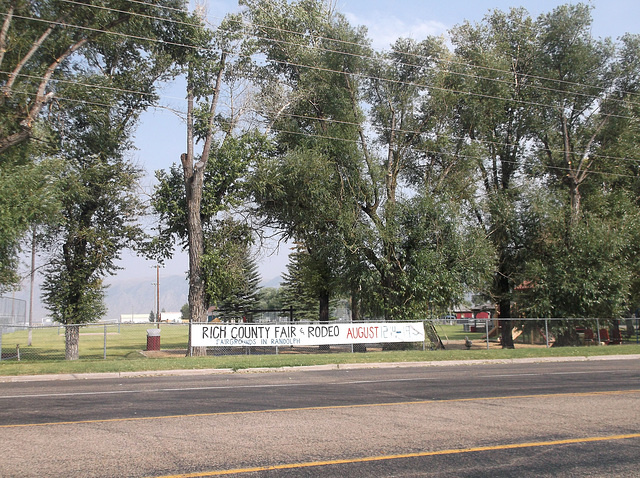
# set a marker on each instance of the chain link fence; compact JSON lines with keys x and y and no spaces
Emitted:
{"x":13,"y":313}
{"x":125,"y":341}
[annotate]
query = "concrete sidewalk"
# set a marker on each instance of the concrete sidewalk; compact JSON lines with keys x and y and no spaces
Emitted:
{"x":353,"y":366}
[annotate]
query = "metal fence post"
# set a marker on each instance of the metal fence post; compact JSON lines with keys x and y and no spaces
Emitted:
{"x":546,"y":332}
{"x":486,"y":331}
{"x":598,"y":329}
{"x":105,"y":341}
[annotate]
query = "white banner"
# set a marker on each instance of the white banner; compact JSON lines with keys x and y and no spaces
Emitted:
{"x":220,"y":334}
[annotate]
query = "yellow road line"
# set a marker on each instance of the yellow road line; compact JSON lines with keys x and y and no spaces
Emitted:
{"x":454,"y":451}
{"x":328,"y":407}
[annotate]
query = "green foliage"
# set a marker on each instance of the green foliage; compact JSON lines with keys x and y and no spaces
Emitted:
{"x":442,"y":260}
{"x":184,"y":310}
{"x":586,"y":269}
{"x":99,"y":206}
{"x":242,"y":295}
{"x":299,"y":287}
{"x":47,"y":40}
{"x":28,"y":196}
{"x":223,"y":188}
{"x":226,"y":263}
{"x":334,"y":189}
{"x":54,"y":57}
{"x":98,"y":210}
{"x":271,"y":298}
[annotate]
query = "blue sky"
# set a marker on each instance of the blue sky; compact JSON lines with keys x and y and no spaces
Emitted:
{"x":161,"y":136}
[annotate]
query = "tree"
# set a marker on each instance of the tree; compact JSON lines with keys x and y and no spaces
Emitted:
{"x":227,"y":261}
{"x":591,"y":275}
{"x":576,"y":70}
{"x":46,"y":46}
{"x":585,"y":247}
{"x":416,"y":186}
{"x":210,"y":74}
{"x":299,"y":287}
{"x":97,"y":218}
{"x":243,"y":298}
{"x":224,"y":239}
{"x":304,"y":191}
{"x":494,"y":114}
{"x":100,"y":204}
{"x":184,"y":311}
{"x":354,"y":133}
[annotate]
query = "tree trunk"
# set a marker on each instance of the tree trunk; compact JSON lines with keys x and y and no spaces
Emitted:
{"x":324,"y":306}
{"x":576,"y":198}
{"x":506,"y":326}
{"x":355,"y":303}
{"x":72,"y":342}
{"x":193,"y":185}
{"x":193,"y":181}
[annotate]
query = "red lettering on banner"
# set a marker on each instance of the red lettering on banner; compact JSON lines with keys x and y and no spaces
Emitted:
{"x":362,"y":332}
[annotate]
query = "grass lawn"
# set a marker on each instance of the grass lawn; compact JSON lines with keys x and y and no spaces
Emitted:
{"x":124,"y":341}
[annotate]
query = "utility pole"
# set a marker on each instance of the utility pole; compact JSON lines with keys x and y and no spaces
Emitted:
{"x":32,"y":280}
{"x":158,"y":295}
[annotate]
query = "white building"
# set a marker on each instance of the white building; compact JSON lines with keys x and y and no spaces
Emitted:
{"x":144,"y":318}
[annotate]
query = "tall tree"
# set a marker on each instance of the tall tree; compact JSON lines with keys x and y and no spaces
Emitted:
{"x":413,"y":180}
{"x":99,"y":209}
{"x":583,"y":261}
{"x":494,"y":115}
{"x":355,"y":134}
{"x":213,"y":73}
{"x":46,"y":46}
{"x":304,"y":191}
{"x":577,"y":72}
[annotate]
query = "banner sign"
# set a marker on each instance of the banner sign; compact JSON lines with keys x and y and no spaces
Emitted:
{"x":221,"y":334}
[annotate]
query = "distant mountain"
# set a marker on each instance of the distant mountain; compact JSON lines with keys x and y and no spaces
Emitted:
{"x":275,"y":282}
{"x":135,"y":296}
{"x":139,"y":296}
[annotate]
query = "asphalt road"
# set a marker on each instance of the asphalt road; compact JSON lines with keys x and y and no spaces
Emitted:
{"x":541,"y":419}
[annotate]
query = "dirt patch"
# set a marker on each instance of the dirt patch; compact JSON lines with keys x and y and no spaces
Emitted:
{"x":482,"y":345}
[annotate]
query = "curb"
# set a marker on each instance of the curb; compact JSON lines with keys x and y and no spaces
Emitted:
{"x":309,"y":368}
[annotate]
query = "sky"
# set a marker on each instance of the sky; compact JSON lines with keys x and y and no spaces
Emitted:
{"x":160,"y":138}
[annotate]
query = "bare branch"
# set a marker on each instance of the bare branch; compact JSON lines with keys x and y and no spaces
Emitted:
{"x":212,"y":110}
{"x":4,"y":31}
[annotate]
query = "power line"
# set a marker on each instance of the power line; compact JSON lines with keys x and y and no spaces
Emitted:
{"x":369,"y":77}
{"x":349,"y":43}
{"x":261,"y":112}
{"x":316,"y":47}
{"x":392,"y":50}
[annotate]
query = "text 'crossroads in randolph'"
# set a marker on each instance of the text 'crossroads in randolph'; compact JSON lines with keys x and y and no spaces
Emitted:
{"x":218,"y":334}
